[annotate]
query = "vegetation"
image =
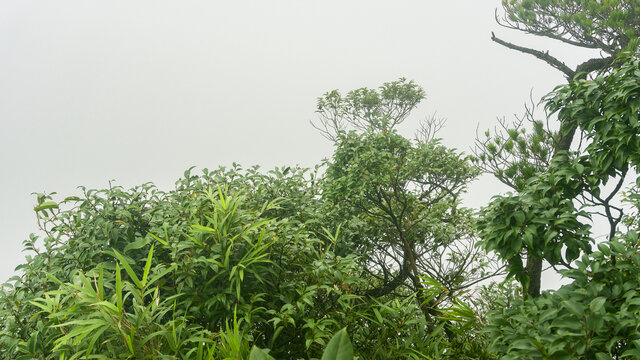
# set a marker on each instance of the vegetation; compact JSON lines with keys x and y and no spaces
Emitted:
{"x":588,"y":318}
{"x":607,"y":26}
{"x":611,"y":27}
{"x":234,"y":259}
{"x":370,"y":255}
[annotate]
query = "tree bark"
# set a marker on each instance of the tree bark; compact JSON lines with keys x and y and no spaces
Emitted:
{"x":534,"y":271}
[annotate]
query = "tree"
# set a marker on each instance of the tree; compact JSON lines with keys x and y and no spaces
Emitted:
{"x":543,"y":215}
{"x":398,"y":199}
{"x":542,"y":220}
{"x":609,"y":26}
{"x":612,"y":27}
{"x":528,"y":162}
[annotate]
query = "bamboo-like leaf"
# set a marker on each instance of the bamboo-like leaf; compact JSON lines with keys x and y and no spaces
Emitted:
{"x":127,"y":339}
{"x":378,"y":316}
{"x":128,"y":269}
{"x":159,"y":275}
{"x":108,"y":305}
{"x":88,"y":287}
{"x":159,"y":240}
{"x":118,"y":288}
{"x":204,"y":229}
{"x":42,"y":304}
{"x":138,"y":244}
{"x":101,"y":283}
{"x":147,"y":267}
{"x":222,"y":198}
{"x":53,"y":278}
{"x":78,"y":333}
{"x":94,"y":337}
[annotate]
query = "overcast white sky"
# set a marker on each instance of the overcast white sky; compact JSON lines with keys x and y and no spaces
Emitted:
{"x":138,"y":91}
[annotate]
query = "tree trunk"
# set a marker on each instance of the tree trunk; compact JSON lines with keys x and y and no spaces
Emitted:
{"x":534,"y":271}
{"x":534,"y":265}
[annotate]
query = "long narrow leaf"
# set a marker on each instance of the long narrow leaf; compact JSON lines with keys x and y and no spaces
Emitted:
{"x":159,"y":275}
{"x":159,"y":240}
{"x":128,"y":269}
{"x":101,"y":284}
{"x":147,"y":267}
{"x":118,"y":288}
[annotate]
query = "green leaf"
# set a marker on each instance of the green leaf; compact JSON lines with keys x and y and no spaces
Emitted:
{"x":519,"y":215}
{"x":46,"y":205}
{"x":617,"y":247}
{"x":128,"y":269}
{"x":147,"y":267}
{"x":378,"y":316}
{"x":138,"y":244}
{"x":573,"y":307}
{"x":597,"y":304}
{"x":163,"y":242}
{"x":101,"y":283}
{"x":159,"y":274}
{"x":339,"y":348}
{"x":603,"y":356}
{"x":523,"y":344}
{"x":259,"y":354}
{"x":604,"y":249}
{"x":118,"y":288}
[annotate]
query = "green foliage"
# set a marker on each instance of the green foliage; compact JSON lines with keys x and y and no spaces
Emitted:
{"x":237,"y":264}
{"x":514,"y":154}
{"x":606,"y":110}
{"x":542,"y":219}
{"x":227,"y":261}
{"x":399,"y":201}
{"x":367,"y":109}
{"x":339,"y":348}
{"x":594,"y":317}
{"x":216,"y":254}
{"x":611,"y":26}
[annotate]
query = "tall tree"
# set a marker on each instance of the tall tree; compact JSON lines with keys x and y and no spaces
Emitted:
{"x":543,"y":218}
{"x":596,"y":316}
{"x":608,"y":26}
{"x":398,"y":198}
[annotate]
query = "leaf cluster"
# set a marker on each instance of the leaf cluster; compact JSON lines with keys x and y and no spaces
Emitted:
{"x":594,"y":317}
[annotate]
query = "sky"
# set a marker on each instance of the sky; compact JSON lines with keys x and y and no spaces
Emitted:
{"x":138,"y":91}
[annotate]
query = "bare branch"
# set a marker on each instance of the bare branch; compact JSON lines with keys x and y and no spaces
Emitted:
{"x":429,"y":127}
{"x":544,"y":56}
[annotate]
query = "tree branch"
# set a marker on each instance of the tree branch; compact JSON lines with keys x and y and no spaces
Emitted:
{"x":595,"y":64}
{"x":544,"y":56}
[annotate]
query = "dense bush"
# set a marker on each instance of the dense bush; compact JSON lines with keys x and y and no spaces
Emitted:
{"x":229,"y":260}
